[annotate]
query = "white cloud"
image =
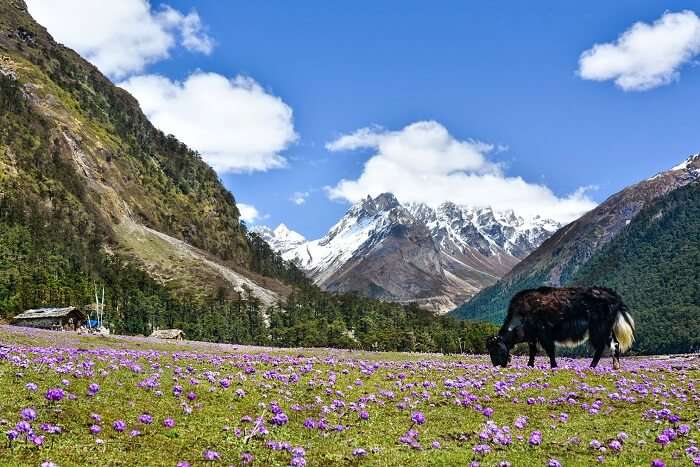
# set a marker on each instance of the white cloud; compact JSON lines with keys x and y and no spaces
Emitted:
{"x":299,"y":197}
{"x":233,"y":123}
{"x":645,"y":56}
{"x":424,"y":163}
{"x":249,"y":213}
{"x":120,"y":37}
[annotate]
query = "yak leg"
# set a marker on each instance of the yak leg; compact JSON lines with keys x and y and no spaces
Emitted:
{"x":533,"y":352}
{"x":616,"y":352}
{"x":596,"y":356}
{"x":548,"y":346}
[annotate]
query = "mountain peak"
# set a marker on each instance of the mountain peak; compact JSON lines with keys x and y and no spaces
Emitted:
{"x":382,"y":202}
{"x":282,"y":231}
{"x":692,"y":160}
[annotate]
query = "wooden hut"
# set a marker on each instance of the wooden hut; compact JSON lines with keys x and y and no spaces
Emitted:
{"x":64,"y":319}
{"x":173,"y":334}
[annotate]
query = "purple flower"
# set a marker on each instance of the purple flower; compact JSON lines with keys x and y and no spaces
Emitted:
{"x":535,"y":438}
{"x":31,"y":387}
{"x":134,"y":433}
{"x":52,"y":429}
{"x":210,"y":455}
{"x":146,"y":419}
{"x":658,"y":463}
{"x":595,"y":444}
{"x":28,"y":414}
{"x":520,"y":422}
{"x":95,"y":429}
{"x":38,"y":440}
{"x":23,"y":427}
{"x":418,"y":418}
{"x":663,"y":439}
{"x":279,"y":419}
{"x":615,"y":445}
{"x":359,"y":452}
{"x":93,"y":389}
{"x":553,"y":463}
{"x":435,"y":444}
{"x":298,"y":462}
{"x":364,"y":415}
{"x":482,"y":449}
{"x":298,"y":452}
{"x":55,"y":394}
{"x":169,"y":423}
{"x":119,"y":425}
{"x":192,"y":396}
{"x":48,"y":464}
{"x":12,"y":435}
{"x":183,"y":464}
{"x":247,"y":458}
{"x":310,"y":423}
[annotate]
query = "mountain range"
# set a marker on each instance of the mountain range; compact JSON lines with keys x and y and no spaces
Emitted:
{"x":436,"y":257}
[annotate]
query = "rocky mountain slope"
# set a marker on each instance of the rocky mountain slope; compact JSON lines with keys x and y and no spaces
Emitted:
{"x":557,"y":261}
{"x":77,"y":153}
{"x":413,"y":253}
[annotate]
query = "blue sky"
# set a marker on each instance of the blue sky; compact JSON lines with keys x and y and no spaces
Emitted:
{"x":502,"y":73}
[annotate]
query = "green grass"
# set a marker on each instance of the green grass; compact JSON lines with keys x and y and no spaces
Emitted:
{"x":217,"y":413}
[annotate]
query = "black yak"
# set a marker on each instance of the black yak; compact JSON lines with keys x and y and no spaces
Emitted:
{"x":565,"y":316}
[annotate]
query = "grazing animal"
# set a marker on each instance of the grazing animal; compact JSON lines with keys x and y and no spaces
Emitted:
{"x":565,"y":316}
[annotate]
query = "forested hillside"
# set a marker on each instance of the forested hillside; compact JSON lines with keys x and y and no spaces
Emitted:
{"x":92,"y":195}
{"x":655,"y":265}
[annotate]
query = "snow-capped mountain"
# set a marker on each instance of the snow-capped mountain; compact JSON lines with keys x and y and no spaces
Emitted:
{"x":281,"y":239}
{"x":413,"y":253}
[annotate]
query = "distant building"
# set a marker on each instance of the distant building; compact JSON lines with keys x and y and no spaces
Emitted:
{"x":174,"y":334}
{"x":64,"y":319}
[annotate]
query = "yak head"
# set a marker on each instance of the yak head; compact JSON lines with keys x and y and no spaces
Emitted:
{"x":500,"y":354}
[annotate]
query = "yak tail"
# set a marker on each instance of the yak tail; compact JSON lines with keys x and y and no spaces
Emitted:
{"x":624,"y":329}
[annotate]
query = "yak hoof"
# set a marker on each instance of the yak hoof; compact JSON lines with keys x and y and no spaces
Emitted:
{"x":616,"y":365}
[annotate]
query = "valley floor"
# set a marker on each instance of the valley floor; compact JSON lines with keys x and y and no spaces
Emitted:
{"x":86,"y":400}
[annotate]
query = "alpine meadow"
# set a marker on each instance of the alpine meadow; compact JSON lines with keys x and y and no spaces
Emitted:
{"x":379,"y":233}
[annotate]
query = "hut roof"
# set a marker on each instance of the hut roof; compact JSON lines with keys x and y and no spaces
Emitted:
{"x":48,"y":313}
{"x":168,"y":333}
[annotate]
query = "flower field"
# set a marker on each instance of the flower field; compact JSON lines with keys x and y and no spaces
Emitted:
{"x":70,"y":400}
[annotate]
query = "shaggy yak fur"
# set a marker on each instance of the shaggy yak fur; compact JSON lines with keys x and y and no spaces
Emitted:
{"x":564,"y":316}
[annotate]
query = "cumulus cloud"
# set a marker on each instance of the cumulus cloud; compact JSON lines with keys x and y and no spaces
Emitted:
{"x":121,"y":37}
{"x":424,"y":163}
{"x":646,"y":55}
{"x":249,"y":213}
{"x":299,"y":197}
{"x":234,"y":123}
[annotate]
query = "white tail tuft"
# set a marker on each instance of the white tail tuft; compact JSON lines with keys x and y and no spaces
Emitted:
{"x":624,"y":330}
